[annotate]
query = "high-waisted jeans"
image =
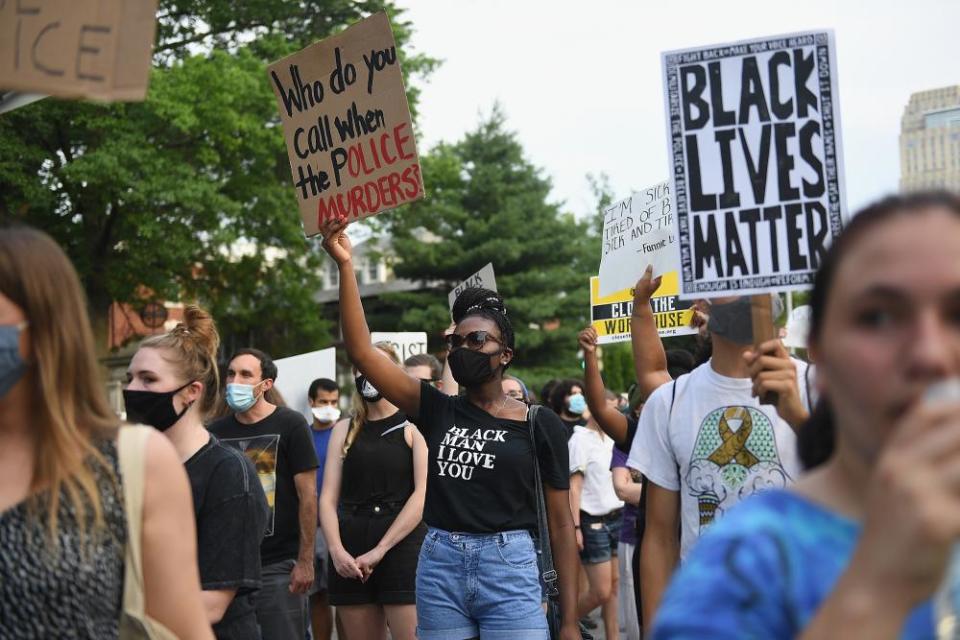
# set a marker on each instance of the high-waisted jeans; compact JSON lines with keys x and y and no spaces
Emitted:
{"x":484,"y":585}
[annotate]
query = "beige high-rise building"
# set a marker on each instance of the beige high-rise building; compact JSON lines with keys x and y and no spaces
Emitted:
{"x":930,"y":141}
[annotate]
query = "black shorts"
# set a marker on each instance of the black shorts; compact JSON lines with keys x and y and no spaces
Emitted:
{"x":393,"y":581}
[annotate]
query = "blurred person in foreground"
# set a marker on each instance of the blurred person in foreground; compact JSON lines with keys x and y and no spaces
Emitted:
{"x":858,"y":546}
{"x":62,"y":517}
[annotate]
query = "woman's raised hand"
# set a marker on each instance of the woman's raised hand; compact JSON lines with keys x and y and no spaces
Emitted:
{"x":336,"y":242}
{"x":646,"y":286}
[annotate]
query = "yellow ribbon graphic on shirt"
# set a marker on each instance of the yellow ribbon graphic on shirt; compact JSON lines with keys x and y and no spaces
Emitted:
{"x":734,"y":446}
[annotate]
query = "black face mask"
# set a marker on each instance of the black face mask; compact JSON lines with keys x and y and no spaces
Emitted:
{"x":366,"y":390}
{"x":470,"y":368}
{"x":154,"y":408}
{"x":732,"y":320}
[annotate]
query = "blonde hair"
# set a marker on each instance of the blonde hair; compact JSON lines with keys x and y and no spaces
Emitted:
{"x":359,"y":405}
{"x":64,"y":380}
{"x":193,"y":344}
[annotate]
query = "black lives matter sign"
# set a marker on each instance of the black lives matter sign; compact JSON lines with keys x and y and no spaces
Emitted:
{"x":754,"y":143}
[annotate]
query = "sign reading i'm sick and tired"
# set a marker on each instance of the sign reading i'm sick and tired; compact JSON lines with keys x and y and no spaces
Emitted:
{"x":347,"y":125}
{"x":638,"y":231}
{"x":753,"y":133}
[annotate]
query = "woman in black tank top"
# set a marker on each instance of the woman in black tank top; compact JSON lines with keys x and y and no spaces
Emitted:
{"x":371,"y":509}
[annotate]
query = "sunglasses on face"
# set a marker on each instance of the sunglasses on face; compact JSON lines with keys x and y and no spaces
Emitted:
{"x":473,"y":340}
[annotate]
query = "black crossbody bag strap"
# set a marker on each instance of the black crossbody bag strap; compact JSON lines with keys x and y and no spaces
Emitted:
{"x":549,"y":573}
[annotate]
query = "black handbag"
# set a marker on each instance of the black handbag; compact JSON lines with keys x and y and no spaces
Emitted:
{"x":548,"y":572}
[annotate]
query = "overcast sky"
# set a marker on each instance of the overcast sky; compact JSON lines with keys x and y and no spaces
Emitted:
{"x":580,"y":82}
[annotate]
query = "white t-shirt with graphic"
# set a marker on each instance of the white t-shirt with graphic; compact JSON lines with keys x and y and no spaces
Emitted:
{"x":590,"y":454}
{"x":719,"y":445}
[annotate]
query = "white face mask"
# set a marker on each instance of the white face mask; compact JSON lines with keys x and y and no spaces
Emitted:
{"x":325,"y":414}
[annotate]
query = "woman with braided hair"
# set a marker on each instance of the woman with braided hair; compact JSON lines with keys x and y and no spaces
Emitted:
{"x":477,"y":574}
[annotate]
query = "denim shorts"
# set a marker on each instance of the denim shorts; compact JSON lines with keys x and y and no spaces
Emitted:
{"x":485,"y":585}
{"x":601,"y":534}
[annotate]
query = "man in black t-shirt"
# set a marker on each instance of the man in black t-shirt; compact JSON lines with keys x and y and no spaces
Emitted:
{"x":231,"y":513}
{"x":278,"y":442}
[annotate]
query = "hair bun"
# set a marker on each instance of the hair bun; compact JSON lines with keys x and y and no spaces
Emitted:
{"x":199,"y":326}
{"x":474,"y":299}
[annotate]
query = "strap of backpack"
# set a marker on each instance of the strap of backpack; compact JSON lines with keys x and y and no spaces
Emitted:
{"x":549,"y":574}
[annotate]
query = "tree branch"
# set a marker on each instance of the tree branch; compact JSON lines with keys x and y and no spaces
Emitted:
{"x":203,"y":36}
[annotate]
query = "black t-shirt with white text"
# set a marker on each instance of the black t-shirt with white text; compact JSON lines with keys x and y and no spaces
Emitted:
{"x":280,"y":446}
{"x":480,"y":477}
{"x":231,"y":515}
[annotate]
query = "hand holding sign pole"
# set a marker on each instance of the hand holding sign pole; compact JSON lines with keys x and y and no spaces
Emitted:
{"x":761,"y":316}
{"x":753,"y":132}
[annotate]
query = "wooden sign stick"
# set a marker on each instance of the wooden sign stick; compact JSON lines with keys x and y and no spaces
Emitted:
{"x":761,"y":315}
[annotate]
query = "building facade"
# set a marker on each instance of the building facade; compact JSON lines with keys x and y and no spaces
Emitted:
{"x":930,"y":141}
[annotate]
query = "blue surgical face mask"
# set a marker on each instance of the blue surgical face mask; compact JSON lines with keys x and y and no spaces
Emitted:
{"x":12,"y":366}
{"x":577,"y":404}
{"x":241,"y":397}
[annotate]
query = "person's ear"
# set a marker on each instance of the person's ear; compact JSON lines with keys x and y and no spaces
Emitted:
{"x":506,"y":356}
{"x":191,"y":393}
{"x":267,"y":384}
{"x":198,"y":388}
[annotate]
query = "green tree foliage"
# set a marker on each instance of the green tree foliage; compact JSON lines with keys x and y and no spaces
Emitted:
{"x":487,"y":203}
{"x":188,"y":193}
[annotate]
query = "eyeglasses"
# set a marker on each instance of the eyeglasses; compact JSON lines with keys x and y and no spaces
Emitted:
{"x":473,"y":340}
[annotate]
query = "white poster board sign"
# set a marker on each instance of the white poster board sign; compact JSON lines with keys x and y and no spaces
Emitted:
{"x":484,"y":279}
{"x":294,"y":375}
{"x":753,"y":132}
{"x":407,"y":343}
{"x":638,"y":231}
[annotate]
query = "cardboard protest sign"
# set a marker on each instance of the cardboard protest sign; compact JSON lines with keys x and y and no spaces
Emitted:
{"x":294,"y":375}
{"x":484,"y":278}
{"x":638,"y":231}
{"x":347,"y":125}
{"x":754,"y":141}
{"x":407,"y":343}
{"x":100,"y":49}
{"x":611,"y":315}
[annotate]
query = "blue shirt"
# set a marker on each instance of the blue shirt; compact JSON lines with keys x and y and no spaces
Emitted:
{"x":321,"y":439}
{"x":763,"y":571}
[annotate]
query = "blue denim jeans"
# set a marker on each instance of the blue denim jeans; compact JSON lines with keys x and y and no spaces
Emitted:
{"x":485,"y":585}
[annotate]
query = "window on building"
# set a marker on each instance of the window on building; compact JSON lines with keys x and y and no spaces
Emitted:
{"x":373,"y":270}
{"x":332,"y":276}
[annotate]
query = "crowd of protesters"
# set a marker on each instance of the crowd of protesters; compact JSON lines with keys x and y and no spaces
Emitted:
{"x":738,"y":492}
